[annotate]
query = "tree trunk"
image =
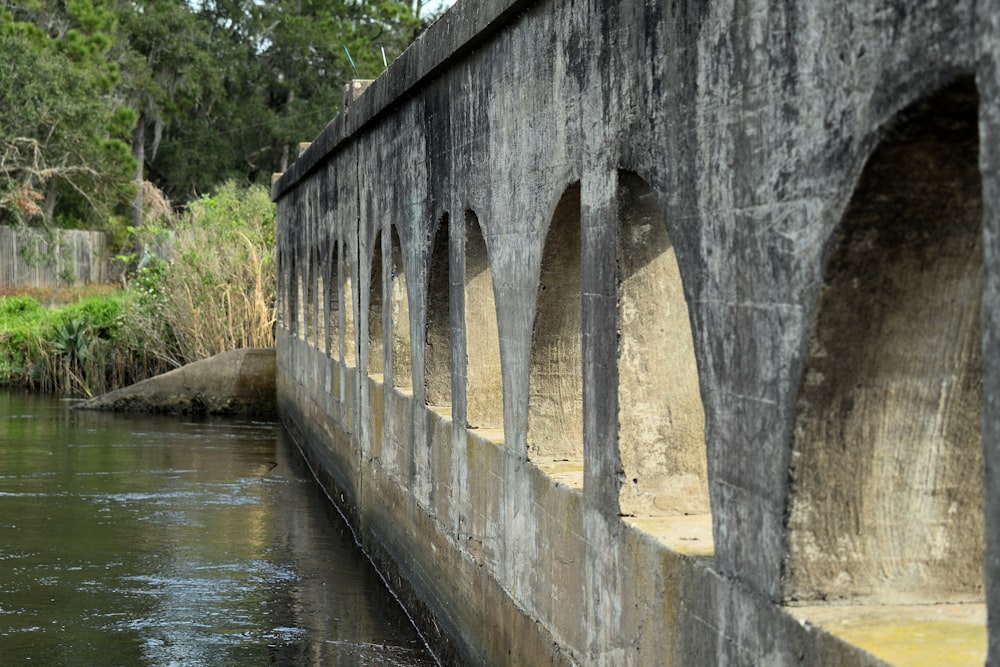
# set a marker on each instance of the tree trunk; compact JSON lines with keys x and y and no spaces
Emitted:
{"x":288,"y":110}
{"x":139,"y":153}
{"x":51,"y":197}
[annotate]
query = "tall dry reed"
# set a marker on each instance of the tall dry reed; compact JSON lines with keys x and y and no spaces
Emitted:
{"x":219,"y":285}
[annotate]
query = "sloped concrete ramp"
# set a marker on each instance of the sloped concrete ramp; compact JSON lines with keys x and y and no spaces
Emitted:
{"x":237,"y":382}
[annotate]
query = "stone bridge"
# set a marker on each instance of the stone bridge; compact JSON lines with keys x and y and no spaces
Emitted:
{"x":652,"y":332}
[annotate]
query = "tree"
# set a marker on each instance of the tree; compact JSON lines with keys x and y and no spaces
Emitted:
{"x":282,"y":68}
{"x":63,"y":149}
{"x":168,"y":67}
{"x":108,"y":93}
{"x":313,"y":47}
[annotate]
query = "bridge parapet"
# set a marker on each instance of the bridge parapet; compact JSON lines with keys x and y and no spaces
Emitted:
{"x":648,"y":332}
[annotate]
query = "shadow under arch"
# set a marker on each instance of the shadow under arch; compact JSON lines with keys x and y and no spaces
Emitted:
{"x":437,"y":355}
{"x":555,"y":400}
{"x":484,"y":381}
{"x":311,"y":271}
{"x":886,"y":497}
{"x":661,"y":419}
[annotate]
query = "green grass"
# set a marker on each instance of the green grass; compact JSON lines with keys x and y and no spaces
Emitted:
{"x":77,"y":349}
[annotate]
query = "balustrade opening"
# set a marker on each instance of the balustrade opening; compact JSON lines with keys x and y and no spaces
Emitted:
{"x":886,"y":500}
{"x":399,"y":318}
{"x":661,"y":419}
{"x":555,"y":409}
{"x":437,"y":355}
{"x":484,"y":383}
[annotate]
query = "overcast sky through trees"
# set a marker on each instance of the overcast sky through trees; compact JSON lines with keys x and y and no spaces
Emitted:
{"x":433,"y":6}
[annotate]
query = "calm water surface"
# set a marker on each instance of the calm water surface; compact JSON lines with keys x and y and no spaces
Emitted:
{"x":177,"y":541}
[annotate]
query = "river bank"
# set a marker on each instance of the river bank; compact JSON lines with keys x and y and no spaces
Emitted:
{"x":201,"y":282}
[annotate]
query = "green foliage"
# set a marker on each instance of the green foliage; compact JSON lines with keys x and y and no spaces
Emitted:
{"x":232,"y":212}
{"x":148,"y":281}
{"x":62,"y":153}
{"x":84,"y":348}
{"x":102,"y":94}
{"x":74,"y":340}
{"x":216,"y":293}
{"x":19,"y":307}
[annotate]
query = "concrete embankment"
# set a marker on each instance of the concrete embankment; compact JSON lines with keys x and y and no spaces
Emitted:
{"x":237,"y":382}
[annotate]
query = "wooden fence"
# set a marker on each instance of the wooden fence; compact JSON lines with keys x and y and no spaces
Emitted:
{"x":33,"y":258}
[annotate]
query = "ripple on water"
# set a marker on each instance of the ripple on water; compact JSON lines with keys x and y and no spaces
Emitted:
{"x":152,"y":541}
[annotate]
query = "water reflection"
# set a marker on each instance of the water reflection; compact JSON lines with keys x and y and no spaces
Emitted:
{"x":165,"y":541}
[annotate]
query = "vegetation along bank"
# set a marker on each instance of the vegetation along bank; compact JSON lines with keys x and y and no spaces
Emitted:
{"x":112,"y":108}
{"x":212,"y":290}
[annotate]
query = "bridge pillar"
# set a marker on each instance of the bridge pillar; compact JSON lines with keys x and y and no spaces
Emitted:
{"x":988,"y":81}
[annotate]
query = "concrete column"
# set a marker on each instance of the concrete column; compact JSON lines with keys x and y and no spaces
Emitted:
{"x":602,"y":466}
{"x":988,"y":81}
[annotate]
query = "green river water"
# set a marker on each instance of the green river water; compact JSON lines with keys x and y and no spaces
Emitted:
{"x":144,"y":540}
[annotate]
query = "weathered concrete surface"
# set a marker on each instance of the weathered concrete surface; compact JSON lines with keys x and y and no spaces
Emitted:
{"x":831,"y":242}
{"x":238,"y":382}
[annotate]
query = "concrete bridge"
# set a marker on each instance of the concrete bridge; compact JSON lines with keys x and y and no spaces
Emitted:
{"x":652,"y":332}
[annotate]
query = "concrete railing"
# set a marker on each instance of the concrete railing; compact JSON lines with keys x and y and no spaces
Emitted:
{"x":663,"y":333}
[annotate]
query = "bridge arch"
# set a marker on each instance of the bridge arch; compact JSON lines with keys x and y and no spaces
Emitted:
{"x":312,"y":267}
{"x":555,"y":384}
{"x":886,"y":498}
{"x":376,"y":335}
{"x":314,"y":298}
{"x":394,"y":314}
{"x":661,"y":419}
{"x":305,"y":252}
{"x":348,"y":299}
{"x":399,"y":312}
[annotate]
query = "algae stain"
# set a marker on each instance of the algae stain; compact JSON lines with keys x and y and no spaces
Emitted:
{"x":919,"y":643}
